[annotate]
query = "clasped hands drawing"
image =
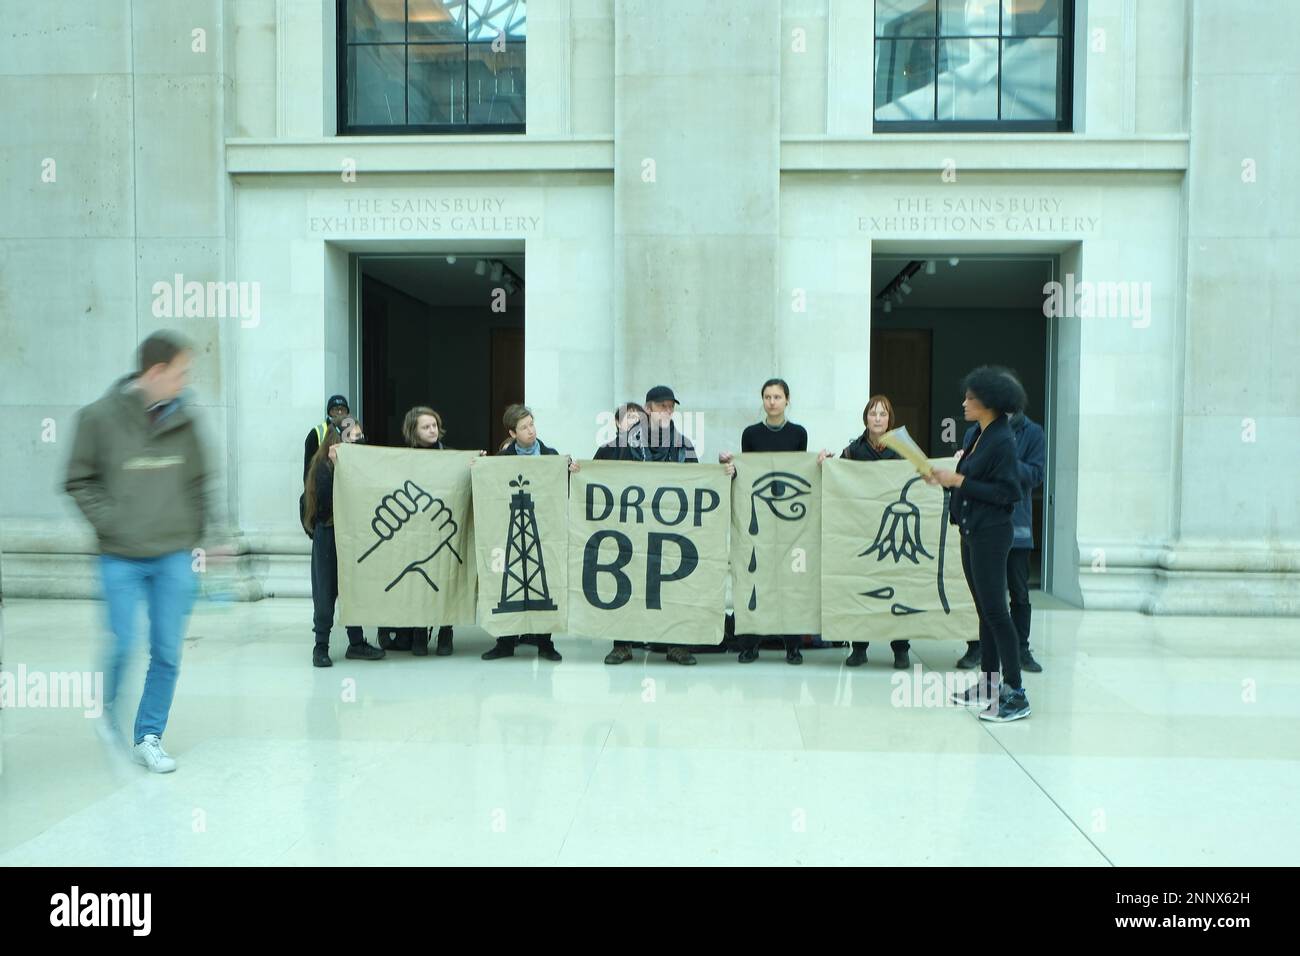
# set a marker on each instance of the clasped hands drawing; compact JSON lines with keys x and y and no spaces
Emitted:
{"x":397,"y":510}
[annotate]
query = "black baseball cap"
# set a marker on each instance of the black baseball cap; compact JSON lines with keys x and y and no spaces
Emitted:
{"x":335,"y":401}
{"x":661,"y":393}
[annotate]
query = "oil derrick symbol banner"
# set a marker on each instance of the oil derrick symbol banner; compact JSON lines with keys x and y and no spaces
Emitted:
{"x":405,"y":537}
{"x":520,"y":518}
{"x":648,"y":551}
{"x":776,"y":521}
{"x":891,"y":562}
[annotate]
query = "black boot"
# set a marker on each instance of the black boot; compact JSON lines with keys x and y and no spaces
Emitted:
{"x":419,"y":641}
{"x":859,"y":655}
{"x":364,"y":652}
{"x":320,"y":656}
{"x":971,"y":659}
{"x":444,"y":641}
{"x":1027,"y":662}
{"x":504,"y":647}
{"x":546,"y":648}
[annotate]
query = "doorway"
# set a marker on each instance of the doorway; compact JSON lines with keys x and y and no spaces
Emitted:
{"x":934,"y":317}
{"x":446,"y":331}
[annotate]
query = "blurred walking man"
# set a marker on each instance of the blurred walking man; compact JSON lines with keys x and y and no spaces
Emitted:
{"x":138,"y":475}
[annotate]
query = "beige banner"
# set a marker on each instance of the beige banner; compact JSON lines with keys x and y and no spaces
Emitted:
{"x":405,"y":536}
{"x":776,"y":523}
{"x":891,"y":562}
{"x":648,"y":551}
{"x":520,"y":529}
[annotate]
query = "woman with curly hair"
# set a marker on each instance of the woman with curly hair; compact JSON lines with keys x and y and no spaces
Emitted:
{"x":985,"y":488}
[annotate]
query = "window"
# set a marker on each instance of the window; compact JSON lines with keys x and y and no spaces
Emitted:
{"x":972,"y":65}
{"x":431,"y":66}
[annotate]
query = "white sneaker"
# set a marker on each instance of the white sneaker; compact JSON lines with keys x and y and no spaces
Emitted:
{"x":150,"y":753}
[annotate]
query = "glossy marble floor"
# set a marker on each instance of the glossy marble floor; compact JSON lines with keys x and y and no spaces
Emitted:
{"x":1153,"y":741}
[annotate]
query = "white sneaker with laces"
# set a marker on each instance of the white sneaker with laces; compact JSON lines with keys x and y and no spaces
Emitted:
{"x":150,"y":753}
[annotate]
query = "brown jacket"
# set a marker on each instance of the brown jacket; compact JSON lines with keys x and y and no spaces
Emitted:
{"x":141,"y":485}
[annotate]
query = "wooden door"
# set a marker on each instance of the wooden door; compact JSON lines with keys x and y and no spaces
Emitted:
{"x":900,"y":369}
{"x":507,"y":386}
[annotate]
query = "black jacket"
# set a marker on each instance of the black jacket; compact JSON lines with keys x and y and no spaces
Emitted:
{"x":677,"y":448}
{"x":992,"y":487}
{"x":510,"y":449}
{"x":861,"y":449}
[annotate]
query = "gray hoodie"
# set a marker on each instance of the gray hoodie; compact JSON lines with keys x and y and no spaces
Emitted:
{"x":142,"y":485}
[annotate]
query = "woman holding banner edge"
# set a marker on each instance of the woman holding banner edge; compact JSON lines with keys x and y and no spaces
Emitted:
{"x":774,"y":434}
{"x":985,"y":489}
{"x":878,"y":418}
{"x":522,"y":429}
{"x":318,"y":520}
{"x":422,"y":428}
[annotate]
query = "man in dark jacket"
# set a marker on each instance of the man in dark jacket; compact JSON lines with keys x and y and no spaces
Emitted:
{"x":656,"y":439}
{"x":138,"y":474}
{"x":1030,"y":456}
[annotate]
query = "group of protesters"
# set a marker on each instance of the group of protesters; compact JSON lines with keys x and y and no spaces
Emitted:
{"x":139,"y":475}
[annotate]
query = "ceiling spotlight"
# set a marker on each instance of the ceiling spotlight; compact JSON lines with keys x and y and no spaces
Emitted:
{"x":907,"y":289}
{"x":451,"y":260}
{"x":953,"y":261}
{"x":480,"y":267}
{"x":930,"y":267}
{"x":496,"y":272}
{"x":889,"y":306}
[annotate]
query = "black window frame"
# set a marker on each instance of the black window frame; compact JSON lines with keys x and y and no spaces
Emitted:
{"x":342,"y":45}
{"x":1065,"y":93}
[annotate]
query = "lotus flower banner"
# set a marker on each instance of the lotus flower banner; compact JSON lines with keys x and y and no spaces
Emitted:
{"x":891,"y":564}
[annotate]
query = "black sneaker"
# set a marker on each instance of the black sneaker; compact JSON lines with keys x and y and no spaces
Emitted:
{"x":444,"y":641}
{"x":419,"y":639}
{"x":1027,"y":662}
{"x":320,"y":656}
{"x":547,"y":652}
{"x":364,"y":651}
{"x":619,"y":655}
{"x":794,"y":656}
{"x":1010,"y":705}
{"x":980,"y":694}
{"x":748,"y":655}
{"x":501,"y":649}
{"x":857,"y":658}
{"x":681,"y":655}
{"x":902,"y":660}
{"x":970,"y":660}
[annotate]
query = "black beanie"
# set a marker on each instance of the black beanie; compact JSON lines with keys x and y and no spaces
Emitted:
{"x":336,"y":400}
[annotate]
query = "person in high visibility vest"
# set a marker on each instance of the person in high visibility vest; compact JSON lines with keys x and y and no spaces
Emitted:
{"x":336,"y":409}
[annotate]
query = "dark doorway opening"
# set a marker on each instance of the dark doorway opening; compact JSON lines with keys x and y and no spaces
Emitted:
{"x":446,"y":331}
{"x":934,"y":318}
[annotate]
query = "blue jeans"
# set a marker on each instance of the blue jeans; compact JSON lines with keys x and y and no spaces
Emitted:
{"x":167,"y":584}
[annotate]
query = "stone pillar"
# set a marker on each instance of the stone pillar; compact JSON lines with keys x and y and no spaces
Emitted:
{"x":696,"y":180}
{"x":1238,"y":514}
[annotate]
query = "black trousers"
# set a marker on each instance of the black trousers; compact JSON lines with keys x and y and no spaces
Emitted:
{"x":512,"y":640}
{"x":1018,"y":583}
{"x":792,"y":642}
{"x":325,"y":586}
{"x":1022,"y":614}
{"x":984,"y":559}
{"x":894,"y":646}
